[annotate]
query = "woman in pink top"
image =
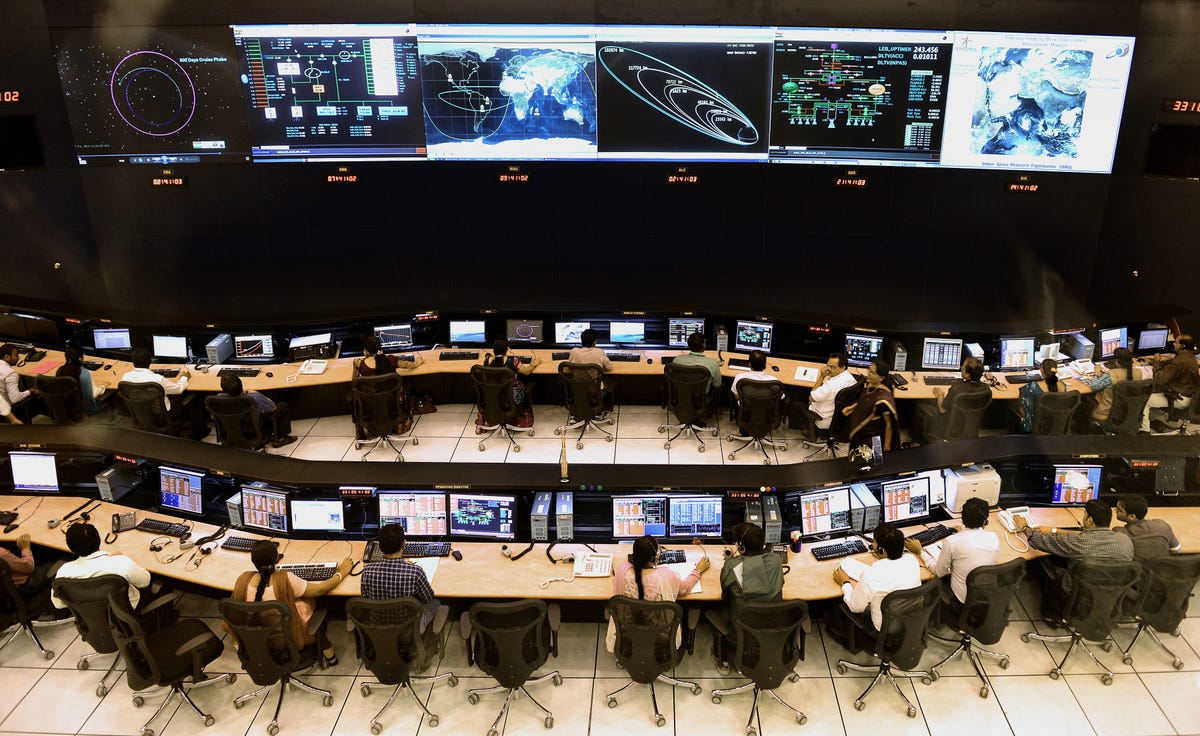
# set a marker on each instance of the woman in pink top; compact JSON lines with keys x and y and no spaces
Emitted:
{"x":639,"y":577}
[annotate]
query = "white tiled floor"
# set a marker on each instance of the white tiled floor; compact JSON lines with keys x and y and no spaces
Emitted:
{"x":40,"y":696}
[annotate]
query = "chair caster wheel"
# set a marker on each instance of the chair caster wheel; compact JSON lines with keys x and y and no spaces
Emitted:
{"x":366,"y":691}
{"x":557,"y":680}
{"x":516,"y":448}
{"x":478,"y":430}
{"x":327,"y":701}
{"x":793,"y":677}
{"x":1129,"y":660}
{"x":209,"y":720}
{"x":608,"y":438}
{"x":731,"y":456}
{"x":273,"y":729}
{"x":766,"y":461}
{"x":841,"y":669}
{"x":926,"y":680}
{"x":416,"y":441}
{"x":231,"y":678}
{"x":696,"y":690}
{"x":237,"y":705}
{"x":101,"y":691}
{"x":783,"y":448}
{"x":472,"y":698}
{"x":912,"y":712}
{"x":48,"y":654}
{"x":557,"y":432}
{"x":1025,"y":638}
{"x":138,"y":701}
{"x":549,"y":722}
{"x":147,"y":732}
{"x":493,"y":732}
{"x":716,"y":699}
{"x":531,"y":433}
{"x":612,"y":702}
{"x":1004,"y":663}
{"x":481,"y":448}
{"x":578,"y":445}
{"x":81,"y":664}
{"x":700,"y":449}
{"x":1177,"y":664}
{"x":983,"y":691}
{"x":662,"y":429}
{"x":666,"y":445}
{"x":452,"y":681}
{"x":750,"y":731}
{"x":660,"y":721}
{"x":1054,"y":674}
{"x":859,"y":705}
{"x":433,"y":721}
{"x":376,"y":729}
{"x":1106,"y":679}
{"x":1106,"y":646}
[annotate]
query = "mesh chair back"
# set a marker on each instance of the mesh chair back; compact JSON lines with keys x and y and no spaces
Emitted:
{"x":770,"y":640}
{"x":646,"y":633}
{"x":1053,"y":412}
{"x":583,"y":389}
{"x":1097,"y":590}
{"x":990,"y":589}
{"x":966,"y":414}
{"x":142,"y":668}
{"x":238,"y":422}
{"x":687,"y":391}
{"x":494,"y":394}
{"x":388,"y":638}
{"x":510,"y":640}
{"x":839,"y":424}
{"x":14,"y":602}
{"x":1165,"y":588}
{"x":262,"y":632}
{"x":376,"y":405}
{"x":758,"y":407}
{"x":88,"y":600}
{"x":63,"y":397}
{"x":905,"y":620}
{"x":146,"y":403}
{"x":1129,"y":399}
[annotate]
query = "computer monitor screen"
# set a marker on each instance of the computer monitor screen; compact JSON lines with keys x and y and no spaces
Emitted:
{"x":753,"y":336}
{"x":695,"y":516}
{"x":679,"y":329}
{"x":905,"y":499}
{"x":264,"y":509}
{"x":306,"y":341}
{"x":421,"y":513}
{"x":394,"y":336}
{"x":42,"y":331}
{"x":629,"y":333}
{"x":489,"y":517}
{"x":1075,"y":484}
{"x":637,"y":516}
{"x":825,"y":511}
{"x":253,"y":346}
{"x":181,"y":489}
{"x":170,"y":347}
{"x":318,"y":516}
{"x":33,"y":472}
{"x":107,"y":338}
{"x":862,"y":349}
{"x":1017,"y":352}
{"x":941,"y":353}
{"x":469,"y":330}
{"x":567,"y":333}
{"x":1111,"y":339}
{"x":1153,"y":339}
{"x":523,"y":330}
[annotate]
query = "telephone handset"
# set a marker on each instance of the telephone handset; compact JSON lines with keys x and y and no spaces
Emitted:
{"x":313,"y":367}
{"x":1082,"y":367}
{"x":123,"y":522}
{"x":372,"y":553}
{"x":1006,"y":517}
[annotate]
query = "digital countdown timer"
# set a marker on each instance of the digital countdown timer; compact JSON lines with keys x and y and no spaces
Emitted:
{"x":1181,"y":104}
{"x":10,"y":96}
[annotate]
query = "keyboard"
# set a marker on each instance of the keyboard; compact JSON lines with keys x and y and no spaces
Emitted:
{"x":931,"y":534}
{"x":838,"y":549}
{"x":1016,"y":378}
{"x":426,"y":549}
{"x":166,"y":372}
{"x":407,"y":357}
{"x":671,"y":556}
{"x":458,"y":355}
{"x":241,"y":371}
{"x":620,"y":357}
{"x":941,"y":380}
{"x":7,"y":517}
{"x":238,"y":544}
{"x":313,"y":572}
{"x":93,"y":365}
{"x":560,"y":355}
{"x":738,"y":364}
{"x":162,"y":528}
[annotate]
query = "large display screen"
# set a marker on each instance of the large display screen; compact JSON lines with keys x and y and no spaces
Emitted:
{"x":181,"y":489}
{"x":318,"y":516}
{"x":906,"y":499}
{"x":1075,"y":484}
{"x":33,"y":472}
{"x":679,"y":329}
{"x":421,"y":513}
{"x":825,"y":511}
{"x":694,"y":516}
{"x":265,"y":510}
{"x":489,"y":517}
{"x":862,"y":349}
{"x":638,"y":516}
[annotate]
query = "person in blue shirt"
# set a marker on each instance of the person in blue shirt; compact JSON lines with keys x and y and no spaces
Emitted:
{"x":276,"y":416}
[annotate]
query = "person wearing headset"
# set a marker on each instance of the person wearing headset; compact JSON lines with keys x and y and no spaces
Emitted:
{"x":752,"y":575}
{"x":862,"y":600}
{"x":640,"y":577}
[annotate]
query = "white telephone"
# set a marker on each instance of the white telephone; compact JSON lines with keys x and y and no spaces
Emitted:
{"x":593,"y":566}
{"x":1083,"y":367}
{"x":1006,"y":517}
{"x":313,"y":367}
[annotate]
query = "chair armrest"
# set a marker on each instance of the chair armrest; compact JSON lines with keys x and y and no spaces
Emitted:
{"x":464,"y":629}
{"x":317,"y":621}
{"x":806,"y":625}
{"x":554,"y":618}
{"x":439,"y":618}
{"x":159,"y":602}
{"x":689,"y":632}
{"x":195,"y":642}
{"x":718,"y":623}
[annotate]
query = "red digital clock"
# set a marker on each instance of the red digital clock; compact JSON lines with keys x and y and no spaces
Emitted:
{"x":10,"y":96}
{"x":1180,"y":104}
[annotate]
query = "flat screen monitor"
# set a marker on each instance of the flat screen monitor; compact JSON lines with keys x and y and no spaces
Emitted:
{"x":180,"y":489}
{"x":486,"y":517}
{"x":306,"y":341}
{"x":627,"y":333}
{"x":567,"y":333}
{"x":1075,"y":484}
{"x":679,"y":329}
{"x":906,"y":499}
{"x":1154,"y":338}
{"x":318,"y":516}
{"x":111,"y":338}
{"x":42,"y":331}
{"x":941,"y":354}
{"x":170,"y":347}
{"x":637,"y":516}
{"x":862,"y":349}
{"x":420,"y":513}
{"x":467,"y":330}
{"x":825,"y":511}
{"x":253,"y":346}
{"x":753,"y":336}
{"x":394,"y":336}
{"x":1111,"y":339}
{"x":33,"y":472}
{"x":1017,"y":352}
{"x":13,"y":326}
{"x":694,"y":516}
{"x":264,"y":509}
{"x":523,"y":330}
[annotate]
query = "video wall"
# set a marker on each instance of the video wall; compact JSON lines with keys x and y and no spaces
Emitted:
{"x":394,"y":92}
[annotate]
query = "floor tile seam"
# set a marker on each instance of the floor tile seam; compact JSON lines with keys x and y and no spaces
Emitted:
{"x":1156,"y":703}
{"x":26,"y":695}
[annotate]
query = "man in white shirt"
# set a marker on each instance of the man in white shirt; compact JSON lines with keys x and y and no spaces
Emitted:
{"x":184,"y":407}
{"x":84,"y":541}
{"x":12,"y":399}
{"x":963,"y":552}
{"x":757,"y":372}
{"x":833,"y":378}
{"x":896,"y":571}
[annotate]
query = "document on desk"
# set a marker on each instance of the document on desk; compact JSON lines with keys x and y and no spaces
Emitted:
{"x":854,"y":568}
{"x":683,"y":569}
{"x":428,"y":564}
{"x":806,"y":374}
{"x":44,"y":367}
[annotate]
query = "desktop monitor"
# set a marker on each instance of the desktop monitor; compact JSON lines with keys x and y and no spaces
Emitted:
{"x":1111,"y":339}
{"x":181,"y":489}
{"x":306,"y":341}
{"x":905,"y":499}
{"x":394,"y":336}
{"x":753,"y":336}
{"x":679,"y":329}
{"x":862,"y":349}
{"x":637,"y":516}
{"x":1017,"y":352}
{"x":253,"y":346}
{"x":694,"y":516}
{"x":1154,"y":338}
{"x":1075,"y":484}
{"x":467,"y":330}
{"x":825,"y":511}
{"x":318,"y":516}
{"x":941,"y":354}
{"x":523,"y":330}
{"x":567,"y":333}
{"x":265,"y":509}
{"x":169,"y":347}
{"x":33,"y":472}
{"x":42,"y":331}
{"x":111,"y":338}
{"x":420,"y":513}
{"x":486,"y":517}
{"x":627,"y":333}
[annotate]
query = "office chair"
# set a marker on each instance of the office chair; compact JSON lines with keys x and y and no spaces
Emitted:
{"x":262,"y":632}
{"x":22,"y":614}
{"x":1097,"y":591}
{"x":392,"y":646}
{"x":1161,"y":600}
{"x":146,"y":404}
{"x":1053,"y":412}
{"x":165,"y":658}
{"x":646,"y":647}
{"x":963,"y":417}
{"x":759,"y":415}
{"x":770,"y":641}
{"x":63,"y":398}
{"x":826,"y":440}
{"x":494,"y":395}
{"x":238,"y":422}
{"x":982,"y":618}
{"x":687,"y":399}
{"x":1128,"y":401}
{"x":583,"y":387}
{"x":900,"y":642}
{"x":378,"y":409}
{"x":509,"y":641}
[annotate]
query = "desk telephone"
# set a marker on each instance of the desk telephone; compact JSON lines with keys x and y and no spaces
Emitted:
{"x":593,"y":566}
{"x":372,"y":553}
{"x":1082,"y":367}
{"x":124,"y":522}
{"x":1006,"y":517}
{"x":313,"y":367}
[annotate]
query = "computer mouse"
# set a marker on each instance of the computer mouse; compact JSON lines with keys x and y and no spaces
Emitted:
{"x":108,"y":366}
{"x":456,"y":555}
{"x":270,"y":374}
{"x":185,"y":537}
{"x":10,"y":528}
{"x":775,"y":368}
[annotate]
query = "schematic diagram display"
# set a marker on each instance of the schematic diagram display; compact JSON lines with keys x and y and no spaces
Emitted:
{"x":331,"y":92}
{"x":880,"y":98}
{"x":492,"y":517}
{"x":690,"y":98}
{"x":157,"y":96}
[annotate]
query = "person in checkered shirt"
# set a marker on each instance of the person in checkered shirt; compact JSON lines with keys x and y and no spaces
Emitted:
{"x":394,"y":577}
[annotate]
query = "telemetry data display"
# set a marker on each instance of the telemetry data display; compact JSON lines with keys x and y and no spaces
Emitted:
{"x":523,"y":330}
{"x":254,"y":346}
{"x":862,"y":349}
{"x":825,"y":511}
{"x":264,"y":509}
{"x":492,"y":517}
{"x":905,"y":499}
{"x":1111,"y":339}
{"x":1016,"y":352}
{"x":1075,"y":484}
{"x":181,"y":489}
{"x":695,"y":516}
{"x":679,"y":329}
{"x":422,"y":514}
{"x":753,"y":336}
{"x":941,"y":353}
{"x":394,"y":336}
{"x":637,"y":516}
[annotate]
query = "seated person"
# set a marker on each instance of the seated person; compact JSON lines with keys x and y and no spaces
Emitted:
{"x":832,"y":378}
{"x":639,"y":576}
{"x":16,"y":406}
{"x":874,"y":414}
{"x":28,"y":576}
{"x":84,"y":541}
{"x":375,"y":362}
{"x":265,"y":583}
{"x":929,"y":417}
{"x":94,"y":399}
{"x":275,"y":417}
{"x":754,"y":574}
{"x":757,"y":372}
{"x":1120,"y":368}
{"x":183,"y":407}
{"x":696,"y":356}
{"x":395,"y":577}
{"x":1033,"y":389}
{"x":1174,"y":380}
{"x":962,"y":552}
{"x":501,"y":359}
{"x":1152,"y":538}
{"x":587,"y":353}
{"x":892,"y":570}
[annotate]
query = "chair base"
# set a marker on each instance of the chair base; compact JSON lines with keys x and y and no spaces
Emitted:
{"x":829,"y":446}
{"x":659,"y":718}
{"x":686,"y":428}
{"x":1076,"y":640}
{"x":376,"y":726}
{"x":762,"y":443}
{"x":506,"y":429}
{"x":801,"y":719}
{"x":967,"y":646}
{"x":883,"y":670}
{"x":84,"y":663}
{"x":375,"y":442}
{"x":583,"y":425}
{"x":548,"y":717}
{"x":28,"y":628}
{"x":1145,"y":628}
{"x":273,"y":726}
{"x":183,"y":690}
